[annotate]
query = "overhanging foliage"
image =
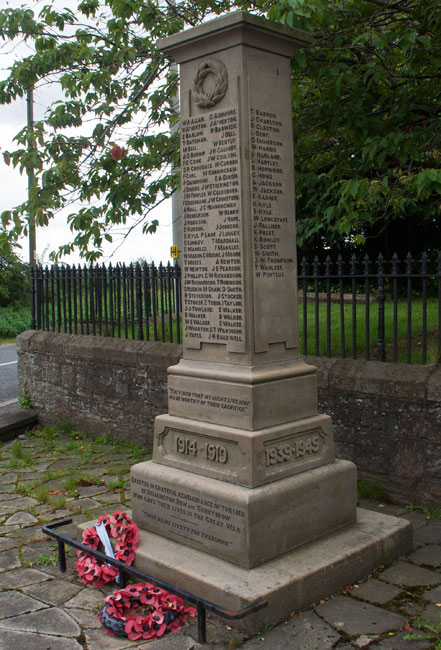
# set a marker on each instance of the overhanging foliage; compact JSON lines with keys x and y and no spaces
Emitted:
{"x":366,"y":107}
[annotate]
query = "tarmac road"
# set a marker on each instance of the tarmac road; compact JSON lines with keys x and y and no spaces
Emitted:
{"x":8,"y":374}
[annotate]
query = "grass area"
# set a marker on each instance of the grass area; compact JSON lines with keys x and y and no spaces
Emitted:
{"x":14,"y":319}
{"x":6,"y":340}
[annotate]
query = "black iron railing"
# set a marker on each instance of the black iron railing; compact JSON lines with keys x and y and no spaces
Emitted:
{"x":126,"y":571}
{"x":358,"y":307}
{"x":371,"y":309}
{"x":142,"y":302}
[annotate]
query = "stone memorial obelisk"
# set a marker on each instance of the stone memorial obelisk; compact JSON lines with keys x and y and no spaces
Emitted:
{"x":243,"y":470}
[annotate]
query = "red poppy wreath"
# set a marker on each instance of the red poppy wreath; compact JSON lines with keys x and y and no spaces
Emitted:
{"x":157,"y":612}
{"x":119,"y":526}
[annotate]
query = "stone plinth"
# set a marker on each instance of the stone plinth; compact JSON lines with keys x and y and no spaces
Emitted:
{"x":242,"y":525}
{"x":242,"y":403}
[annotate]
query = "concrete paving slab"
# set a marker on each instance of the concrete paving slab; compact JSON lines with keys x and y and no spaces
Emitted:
{"x":304,"y":632}
{"x":54,"y":516}
{"x":85,"y":617}
{"x":91,"y":491}
{"x":49,"y":621}
{"x":13,"y":603}
{"x":429,"y":555}
{"x":376,"y":592}
{"x":8,"y":477}
{"x":171,"y":642}
{"x":32,"y":550}
{"x":406,"y":574}
{"x":78,"y":504}
{"x":10,"y":530}
{"x":87,"y":598}
{"x":398,"y":642}
{"x":30,"y":534}
{"x":55,"y":592}
{"x":9,"y":560}
{"x":430,"y":534}
{"x":22,"y":503}
{"x":432,"y":614}
{"x":8,"y":496}
{"x":433,"y":595}
{"x":97,"y":640}
{"x":109,"y":499}
{"x":22,"y":519}
{"x":364,"y":640}
{"x":26,"y":641}
{"x":9,"y":489}
{"x":357,"y":618}
{"x":7,"y":543}
{"x":21,"y":578}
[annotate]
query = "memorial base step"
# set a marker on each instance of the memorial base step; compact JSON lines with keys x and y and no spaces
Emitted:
{"x":292,"y":582}
{"x":242,"y":525}
{"x":248,"y":458}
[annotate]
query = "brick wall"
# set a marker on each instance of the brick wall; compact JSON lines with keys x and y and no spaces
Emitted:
{"x":387,"y":417}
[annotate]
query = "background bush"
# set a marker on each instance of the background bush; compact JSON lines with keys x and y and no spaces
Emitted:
{"x":14,"y":320}
{"x":14,"y":293}
{"x":14,"y":280}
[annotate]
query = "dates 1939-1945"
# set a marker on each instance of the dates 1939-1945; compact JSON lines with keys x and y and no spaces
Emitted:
{"x":292,"y":450}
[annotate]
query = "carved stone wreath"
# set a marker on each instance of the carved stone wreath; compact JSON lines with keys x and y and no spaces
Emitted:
{"x":208,"y":99}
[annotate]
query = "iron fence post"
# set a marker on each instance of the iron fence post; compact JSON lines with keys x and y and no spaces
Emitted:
{"x":438,"y":273}
{"x":33,"y":290}
{"x":381,"y":300}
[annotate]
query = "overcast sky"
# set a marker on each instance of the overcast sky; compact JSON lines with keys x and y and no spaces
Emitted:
{"x":13,"y":186}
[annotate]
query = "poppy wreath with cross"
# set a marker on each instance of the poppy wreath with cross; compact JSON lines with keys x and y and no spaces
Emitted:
{"x":143,"y":611}
{"x":119,"y":526}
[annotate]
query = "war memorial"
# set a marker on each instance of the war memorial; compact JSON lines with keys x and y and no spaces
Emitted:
{"x":244,"y":498}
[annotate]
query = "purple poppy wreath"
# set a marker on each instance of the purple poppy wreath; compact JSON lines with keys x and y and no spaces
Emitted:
{"x":119,"y":526}
{"x":143,"y":611}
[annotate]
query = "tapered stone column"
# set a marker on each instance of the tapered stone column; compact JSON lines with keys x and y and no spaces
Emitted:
{"x":243,"y":465}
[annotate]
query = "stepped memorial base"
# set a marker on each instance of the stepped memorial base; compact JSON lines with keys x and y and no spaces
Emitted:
{"x":291,"y":582}
{"x":245,"y":526}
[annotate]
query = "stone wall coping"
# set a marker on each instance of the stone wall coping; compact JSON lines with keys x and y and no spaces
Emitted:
{"x":410,"y":382}
{"x":120,"y":351}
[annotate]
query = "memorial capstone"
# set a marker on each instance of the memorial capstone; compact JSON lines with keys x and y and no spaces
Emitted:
{"x":243,"y":467}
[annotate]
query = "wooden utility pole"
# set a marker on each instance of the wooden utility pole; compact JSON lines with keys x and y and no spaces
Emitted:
{"x":30,"y":172}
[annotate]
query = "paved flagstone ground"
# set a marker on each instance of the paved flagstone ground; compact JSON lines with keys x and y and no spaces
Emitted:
{"x":51,"y":475}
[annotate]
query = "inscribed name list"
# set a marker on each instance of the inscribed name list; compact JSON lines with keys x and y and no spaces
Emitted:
{"x":211,"y":203}
{"x":273,"y":212}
